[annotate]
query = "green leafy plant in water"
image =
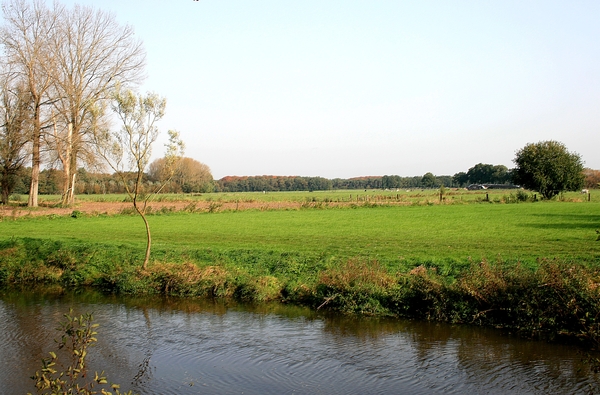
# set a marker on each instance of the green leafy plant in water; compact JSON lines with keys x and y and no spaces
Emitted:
{"x":78,"y":334}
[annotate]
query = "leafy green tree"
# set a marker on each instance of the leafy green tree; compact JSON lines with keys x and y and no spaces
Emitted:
{"x":481,"y":174}
{"x":444,"y":180}
{"x":549,"y":168}
{"x":460,"y":179}
{"x":500,"y":174}
{"x":391,"y":182}
{"x":428,"y":180}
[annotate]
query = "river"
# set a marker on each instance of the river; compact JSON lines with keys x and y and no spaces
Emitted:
{"x":189,"y":346}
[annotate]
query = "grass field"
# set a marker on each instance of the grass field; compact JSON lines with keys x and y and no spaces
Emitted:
{"x":412,"y":234}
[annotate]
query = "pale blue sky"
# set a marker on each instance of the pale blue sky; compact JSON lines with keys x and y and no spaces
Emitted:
{"x":356,"y":88}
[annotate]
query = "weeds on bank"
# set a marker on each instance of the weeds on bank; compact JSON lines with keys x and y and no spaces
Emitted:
{"x":557,"y":299}
{"x":554,"y":299}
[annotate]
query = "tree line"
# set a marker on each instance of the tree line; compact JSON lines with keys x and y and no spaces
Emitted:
{"x":193,"y":176}
{"x":547,"y":167}
{"x":480,"y":173}
{"x":190,"y":176}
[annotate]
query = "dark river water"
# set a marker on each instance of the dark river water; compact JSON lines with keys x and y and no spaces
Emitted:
{"x":179,"y":346}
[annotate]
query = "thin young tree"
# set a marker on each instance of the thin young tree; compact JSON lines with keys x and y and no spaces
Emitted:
{"x":127,"y":150}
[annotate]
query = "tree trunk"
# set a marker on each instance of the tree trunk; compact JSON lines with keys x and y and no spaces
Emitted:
{"x":142,"y":214}
{"x":71,"y":194}
{"x":35,"y":162}
{"x":67,"y":195}
{"x":5,"y":190}
{"x":148,"y":244}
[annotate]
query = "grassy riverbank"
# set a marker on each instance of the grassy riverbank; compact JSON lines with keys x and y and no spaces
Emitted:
{"x":530,"y":267}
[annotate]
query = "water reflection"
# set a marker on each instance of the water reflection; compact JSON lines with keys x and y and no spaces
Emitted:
{"x":188,"y":346}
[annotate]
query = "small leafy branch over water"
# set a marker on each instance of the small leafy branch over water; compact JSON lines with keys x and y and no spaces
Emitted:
{"x":77,"y":335}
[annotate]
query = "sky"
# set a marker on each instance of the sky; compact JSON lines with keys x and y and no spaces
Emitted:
{"x":342,"y":89}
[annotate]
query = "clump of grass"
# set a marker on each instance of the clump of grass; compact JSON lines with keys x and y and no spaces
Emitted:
{"x":191,"y":207}
{"x":214,"y":207}
{"x":127,"y":211}
{"x":422,"y":293}
{"x":357,"y":286}
{"x":188,"y":279}
{"x":261,"y":289}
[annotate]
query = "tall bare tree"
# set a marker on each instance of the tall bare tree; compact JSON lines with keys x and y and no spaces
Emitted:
{"x":28,"y":30}
{"x":14,"y":124}
{"x":93,"y":54}
{"x":127,"y":151}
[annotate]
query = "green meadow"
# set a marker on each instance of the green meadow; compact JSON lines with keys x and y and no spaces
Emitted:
{"x":393,"y":235}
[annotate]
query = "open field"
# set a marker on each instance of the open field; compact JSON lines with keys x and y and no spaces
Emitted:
{"x":392,"y":235}
{"x":213,"y":202}
{"x":452,"y":195}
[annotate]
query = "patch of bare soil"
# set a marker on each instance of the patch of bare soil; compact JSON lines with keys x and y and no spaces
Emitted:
{"x":95,"y":208}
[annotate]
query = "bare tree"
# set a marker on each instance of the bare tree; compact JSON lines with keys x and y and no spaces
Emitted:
{"x":25,"y":36}
{"x":93,"y":54}
{"x":14,"y":114}
{"x":128,"y":150}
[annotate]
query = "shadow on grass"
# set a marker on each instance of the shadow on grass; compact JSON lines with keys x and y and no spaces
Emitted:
{"x":566,"y":221}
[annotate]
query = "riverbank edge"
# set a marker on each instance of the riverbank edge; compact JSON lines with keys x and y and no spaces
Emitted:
{"x":557,"y":300}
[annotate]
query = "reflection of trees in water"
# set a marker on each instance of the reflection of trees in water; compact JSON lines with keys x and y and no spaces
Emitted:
{"x":28,"y":328}
{"x":475,"y":355}
{"x":483,"y":355}
{"x":34,"y":317}
{"x":144,"y":373}
{"x":486,"y":357}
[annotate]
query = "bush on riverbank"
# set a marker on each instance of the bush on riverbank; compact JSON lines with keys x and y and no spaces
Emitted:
{"x":554,"y":299}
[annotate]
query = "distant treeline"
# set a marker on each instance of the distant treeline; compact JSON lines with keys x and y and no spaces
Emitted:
{"x":200,"y":180}
{"x":297,"y":183}
{"x":479,"y":174}
{"x":51,"y":181}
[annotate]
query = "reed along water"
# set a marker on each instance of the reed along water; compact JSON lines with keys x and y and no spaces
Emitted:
{"x":183,"y":346}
